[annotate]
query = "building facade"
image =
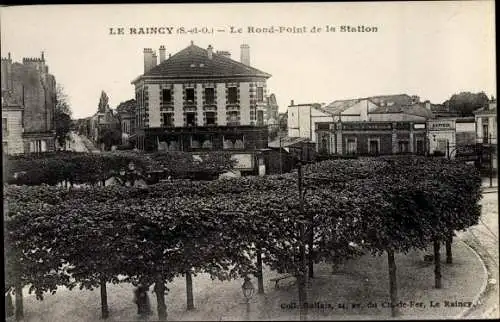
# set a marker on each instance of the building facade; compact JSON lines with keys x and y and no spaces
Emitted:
{"x":126,"y":116}
{"x":370,"y":138}
{"x":12,"y":127}
{"x":486,"y":129}
{"x":449,"y":134}
{"x":102,"y":122}
{"x":368,"y":126}
{"x":29,"y":94}
{"x":198,"y":99}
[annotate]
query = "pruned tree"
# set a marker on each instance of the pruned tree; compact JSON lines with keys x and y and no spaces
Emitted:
{"x":62,"y":116}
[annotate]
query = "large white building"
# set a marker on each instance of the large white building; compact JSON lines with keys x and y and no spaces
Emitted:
{"x":190,"y":99}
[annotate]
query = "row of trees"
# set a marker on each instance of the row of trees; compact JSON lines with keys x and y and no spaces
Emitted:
{"x":88,"y":168}
{"x":229,"y":228}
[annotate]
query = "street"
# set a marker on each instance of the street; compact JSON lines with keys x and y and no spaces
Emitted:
{"x":483,"y":238}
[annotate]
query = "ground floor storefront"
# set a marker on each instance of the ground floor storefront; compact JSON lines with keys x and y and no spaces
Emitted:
{"x":371,"y":138}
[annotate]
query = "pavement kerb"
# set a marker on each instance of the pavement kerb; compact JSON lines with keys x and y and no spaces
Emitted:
{"x":475,"y":302}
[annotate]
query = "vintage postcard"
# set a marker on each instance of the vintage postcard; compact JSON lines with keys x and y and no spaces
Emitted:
{"x":254,"y":161}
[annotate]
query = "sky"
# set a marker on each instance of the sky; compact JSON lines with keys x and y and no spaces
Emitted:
{"x":429,"y":49}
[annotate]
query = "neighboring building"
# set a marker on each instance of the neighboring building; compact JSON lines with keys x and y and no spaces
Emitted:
{"x":99,"y":123}
{"x":12,"y":126}
{"x":486,"y":123}
{"x":486,"y":128}
{"x":126,"y":115}
{"x":448,"y":134}
{"x":28,"y":102}
{"x":198,"y":99}
{"x":373,"y":125}
{"x":370,"y":138}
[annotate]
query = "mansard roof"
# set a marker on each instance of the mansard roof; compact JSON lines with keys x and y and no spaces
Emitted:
{"x":194,"y":62}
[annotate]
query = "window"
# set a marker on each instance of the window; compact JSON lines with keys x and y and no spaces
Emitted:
{"x":485,"y":132}
{"x":232,"y":95}
{"x":5,"y":129}
{"x":38,"y":146}
{"x":352,"y":146}
{"x":166,"y":96}
{"x":167,"y":119}
{"x":233,"y":118}
{"x":260,"y":118}
{"x":210,"y":118}
{"x":373,"y":146}
{"x":260,"y":94}
{"x":323,"y":143}
{"x":190,"y":95}
{"x":190,"y":119}
{"x":420,"y":146}
{"x":403,"y":146}
{"x":209,"y":96}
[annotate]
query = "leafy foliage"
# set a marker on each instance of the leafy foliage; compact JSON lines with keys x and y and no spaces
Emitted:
{"x":465,"y":103}
{"x":167,"y":229}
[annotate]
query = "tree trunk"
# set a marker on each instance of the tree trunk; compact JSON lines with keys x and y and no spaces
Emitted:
{"x":301,"y":283}
{"x":9,"y":306}
{"x":449,"y":255}
{"x":160,"y":299}
{"x":104,"y":299}
{"x":260,"y":276}
{"x":437,"y":264}
{"x":189,"y":291}
{"x":19,"y":302}
{"x":393,"y":287}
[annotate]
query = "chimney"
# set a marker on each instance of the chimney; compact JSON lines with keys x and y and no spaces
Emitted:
{"x":43,"y":58}
{"x":162,"y":53}
{"x":291,"y":103}
{"x":148,"y":59}
{"x":245,"y":54}
{"x":210,"y":51}
{"x":154,"y":60}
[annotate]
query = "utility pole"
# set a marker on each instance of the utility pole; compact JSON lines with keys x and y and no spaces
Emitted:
{"x":302,"y":250}
{"x":490,"y":147}
{"x":281,"y":158}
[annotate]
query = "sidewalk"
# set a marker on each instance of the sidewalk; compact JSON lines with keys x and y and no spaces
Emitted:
{"x":486,"y":185}
{"x":360,"y":281}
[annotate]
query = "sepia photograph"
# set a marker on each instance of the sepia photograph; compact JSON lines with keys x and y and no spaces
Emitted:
{"x":250,"y":161}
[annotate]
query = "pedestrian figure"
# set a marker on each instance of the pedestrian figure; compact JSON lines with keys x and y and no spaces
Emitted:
{"x":142,"y":301}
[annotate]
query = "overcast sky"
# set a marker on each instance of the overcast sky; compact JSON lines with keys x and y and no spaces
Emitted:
{"x":430,"y":49}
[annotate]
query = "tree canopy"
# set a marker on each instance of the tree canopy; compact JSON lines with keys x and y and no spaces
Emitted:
{"x":465,"y":103}
{"x":62,"y":116}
